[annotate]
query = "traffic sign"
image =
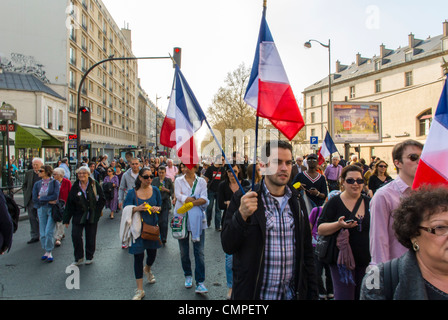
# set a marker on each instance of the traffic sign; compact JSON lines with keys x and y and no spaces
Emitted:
{"x":11,"y":127}
{"x":314,"y":140}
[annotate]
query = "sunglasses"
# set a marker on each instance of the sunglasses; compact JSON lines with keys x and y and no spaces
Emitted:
{"x":352,"y":181}
{"x":146,"y":177}
{"x":41,"y":170}
{"x":382,"y":166}
{"x":413,"y":157}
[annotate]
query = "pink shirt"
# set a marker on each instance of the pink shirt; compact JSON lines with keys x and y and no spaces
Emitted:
{"x":384,"y":245}
{"x":171,"y":172}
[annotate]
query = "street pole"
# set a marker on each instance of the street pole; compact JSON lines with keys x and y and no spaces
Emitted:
{"x":78,"y":118}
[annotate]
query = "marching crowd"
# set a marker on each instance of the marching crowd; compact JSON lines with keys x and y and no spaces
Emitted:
{"x":302,"y":231}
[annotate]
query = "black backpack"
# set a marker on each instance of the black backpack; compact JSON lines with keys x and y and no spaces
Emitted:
{"x":13,"y":209}
{"x":108,"y":190}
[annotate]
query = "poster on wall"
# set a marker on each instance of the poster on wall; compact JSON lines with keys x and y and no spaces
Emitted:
{"x":356,"y":122}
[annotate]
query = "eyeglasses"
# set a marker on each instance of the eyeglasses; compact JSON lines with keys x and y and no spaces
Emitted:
{"x":438,"y":231}
{"x":146,"y":177}
{"x":413,"y":157}
{"x":41,"y":170}
{"x":352,"y":181}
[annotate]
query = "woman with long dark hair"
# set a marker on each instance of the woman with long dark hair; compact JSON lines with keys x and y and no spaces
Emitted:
{"x":139,"y":197}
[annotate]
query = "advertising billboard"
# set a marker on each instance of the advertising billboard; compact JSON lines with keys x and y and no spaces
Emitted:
{"x":356,"y":122}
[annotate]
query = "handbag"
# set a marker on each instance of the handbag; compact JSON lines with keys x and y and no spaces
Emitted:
{"x":149,"y":232}
{"x":326,"y":249}
{"x":178,"y":226}
{"x":57,"y":210}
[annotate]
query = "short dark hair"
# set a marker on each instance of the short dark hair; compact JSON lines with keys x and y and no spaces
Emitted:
{"x":349,"y":168}
{"x":420,"y":204}
{"x":279,"y":143}
{"x":397,"y":151}
{"x":161,"y":168}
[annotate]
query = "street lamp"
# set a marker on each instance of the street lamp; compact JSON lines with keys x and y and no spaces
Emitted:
{"x":328,"y":46}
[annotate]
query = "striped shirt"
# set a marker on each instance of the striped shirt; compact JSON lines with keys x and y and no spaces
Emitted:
{"x":279,"y":257}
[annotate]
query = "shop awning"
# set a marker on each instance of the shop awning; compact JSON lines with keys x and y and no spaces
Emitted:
{"x":35,"y":137}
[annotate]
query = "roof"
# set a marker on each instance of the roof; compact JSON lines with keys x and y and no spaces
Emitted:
{"x":393,"y":58}
{"x":25,"y":82}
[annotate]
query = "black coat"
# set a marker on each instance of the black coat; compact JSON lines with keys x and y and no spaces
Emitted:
{"x":245,"y":240}
{"x":79,"y":208}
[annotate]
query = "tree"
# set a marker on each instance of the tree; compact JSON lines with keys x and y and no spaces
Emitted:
{"x":228,"y":109}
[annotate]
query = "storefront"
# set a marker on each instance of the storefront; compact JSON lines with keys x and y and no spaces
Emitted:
{"x":32,"y":141}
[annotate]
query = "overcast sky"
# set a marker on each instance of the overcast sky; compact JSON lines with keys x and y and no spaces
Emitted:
{"x":216,"y":36}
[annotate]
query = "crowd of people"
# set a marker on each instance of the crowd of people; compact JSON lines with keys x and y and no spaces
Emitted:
{"x":271,"y":233}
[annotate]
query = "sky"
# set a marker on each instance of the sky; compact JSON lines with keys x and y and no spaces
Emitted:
{"x":217,"y":36}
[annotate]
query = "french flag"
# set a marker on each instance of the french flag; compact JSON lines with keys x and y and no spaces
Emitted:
{"x":328,"y":148}
{"x":432,"y":167}
{"x":184,"y":117}
{"x":269,"y":91}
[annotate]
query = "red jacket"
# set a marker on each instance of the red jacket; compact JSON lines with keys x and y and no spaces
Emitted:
{"x":66,"y":185}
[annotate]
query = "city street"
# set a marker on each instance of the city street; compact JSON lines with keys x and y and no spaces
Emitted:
{"x":111,"y":275}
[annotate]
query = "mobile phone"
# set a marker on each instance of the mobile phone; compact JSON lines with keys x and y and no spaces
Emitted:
{"x":349,"y":221}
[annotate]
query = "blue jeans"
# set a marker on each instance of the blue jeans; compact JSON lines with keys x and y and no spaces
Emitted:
{"x":213,"y":201}
{"x":46,"y":228}
{"x":229,"y":272}
{"x":198,"y":251}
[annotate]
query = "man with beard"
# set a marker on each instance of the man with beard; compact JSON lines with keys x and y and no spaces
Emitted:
{"x":268,"y":232}
{"x":312,"y":182}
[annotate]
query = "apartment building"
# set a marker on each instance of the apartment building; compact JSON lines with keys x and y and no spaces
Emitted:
{"x":62,"y":40}
{"x":407,"y":81}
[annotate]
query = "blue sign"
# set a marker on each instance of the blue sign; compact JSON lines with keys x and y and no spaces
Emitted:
{"x":314,"y":140}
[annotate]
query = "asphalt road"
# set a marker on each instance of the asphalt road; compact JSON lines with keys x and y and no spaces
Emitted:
{"x":23,"y":276}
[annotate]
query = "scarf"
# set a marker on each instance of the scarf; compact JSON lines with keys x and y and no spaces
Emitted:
{"x":346,"y":261}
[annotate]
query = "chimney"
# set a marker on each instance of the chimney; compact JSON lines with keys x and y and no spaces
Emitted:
{"x":445,"y":28}
{"x":411,"y":40}
{"x":338,"y":66}
{"x":360,"y":60}
{"x":383,"y":51}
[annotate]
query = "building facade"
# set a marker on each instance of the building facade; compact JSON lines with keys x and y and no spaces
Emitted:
{"x":59,"y":41}
{"x":407,"y":81}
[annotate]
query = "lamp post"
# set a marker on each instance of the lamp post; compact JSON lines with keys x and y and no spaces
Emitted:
{"x":78,"y":118}
{"x":328,"y":46}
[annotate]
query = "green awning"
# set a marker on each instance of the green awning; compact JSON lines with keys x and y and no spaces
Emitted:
{"x":34,"y":137}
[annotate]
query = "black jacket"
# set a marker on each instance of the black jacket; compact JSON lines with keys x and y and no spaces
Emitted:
{"x":84,"y":210}
{"x":245,"y":240}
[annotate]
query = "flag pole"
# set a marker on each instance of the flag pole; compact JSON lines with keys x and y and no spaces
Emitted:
{"x":256,"y":120}
{"x":224,"y":155}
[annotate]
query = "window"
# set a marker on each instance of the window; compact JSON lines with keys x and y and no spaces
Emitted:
{"x":424,"y":122}
{"x":313,"y":117}
{"x":313,"y":132}
{"x":377,"y":85}
{"x":377,"y":65}
{"x":312,"y":101}
{"x":49,"y":118}
{"x":408,"y":79}
{"x":72,"y":56}
{"x":352,"y":92}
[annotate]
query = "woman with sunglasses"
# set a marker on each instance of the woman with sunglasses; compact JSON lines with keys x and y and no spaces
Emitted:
{"x":45,"y":191}
{"x":112,"y":195}
{"x":379,"y":177}
{"x":346,"y":217}
{"x":142,"y":194}
{"x":421,"y":225}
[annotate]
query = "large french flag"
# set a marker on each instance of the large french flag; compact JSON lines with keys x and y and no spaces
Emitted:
{"x":433,"y":165}
{"x":184,"y":117}
{"x":269,"y":91}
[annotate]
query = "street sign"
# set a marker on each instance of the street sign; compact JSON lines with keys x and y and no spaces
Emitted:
{"x":314,"y":140}
{"x":314,"y":147}
{"x":7,"y":112}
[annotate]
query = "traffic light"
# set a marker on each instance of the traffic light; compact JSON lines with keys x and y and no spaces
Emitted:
{"x":84,"y":113}
{"x":177,"y":55}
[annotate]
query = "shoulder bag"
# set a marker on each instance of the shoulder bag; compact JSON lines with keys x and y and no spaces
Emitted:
{"x":149,"y":232}
{"x":326,"y":249}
